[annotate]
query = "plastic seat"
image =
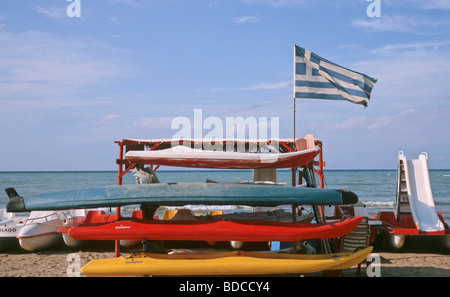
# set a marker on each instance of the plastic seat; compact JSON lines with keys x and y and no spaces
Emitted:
{"x":387,"y":217}
{"x":91,"y":214}
{"x":407,"y":222}
{"x":169,"y":213}
{"x":137,"y":214}
{"x":215,"y":213}
{"x":305,"y":143}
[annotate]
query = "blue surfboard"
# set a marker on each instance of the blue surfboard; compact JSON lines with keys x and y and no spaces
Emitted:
{"x":178,"y":194}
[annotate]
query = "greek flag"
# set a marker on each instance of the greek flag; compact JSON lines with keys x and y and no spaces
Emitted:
{"x":318,"y":78}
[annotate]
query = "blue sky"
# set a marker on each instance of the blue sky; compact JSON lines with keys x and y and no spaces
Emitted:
{"x":70,"y":87}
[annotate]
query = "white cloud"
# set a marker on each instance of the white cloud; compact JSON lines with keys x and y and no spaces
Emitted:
{"x":277,"y":3}
{"x":258,"y":87}
{"x":35,"y":64}
{"x":410,"y":46}
{"x":384,"y":121}
{"x":269,"y":86}
{"x":350,"y":123}
{"x":2,"y":18}
{"x":432,"y":4}
{"x":159,"y":127}
{"x":54,"y":12}
{"x":245,"y":20}
{"x":349,"y":46}
{"x":212,"y":4}
{"x":111,"y":117}
{"x":114,"y":20}
{"x":132,"y":3}
{"x":400,"y":23}
{"x":437,"y":4}
{"x":410,"y":74}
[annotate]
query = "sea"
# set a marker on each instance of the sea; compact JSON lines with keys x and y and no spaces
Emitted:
{"x":376,"y":189}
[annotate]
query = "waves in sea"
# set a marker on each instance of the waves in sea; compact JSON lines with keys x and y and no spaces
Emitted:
{"x":375,"y":188}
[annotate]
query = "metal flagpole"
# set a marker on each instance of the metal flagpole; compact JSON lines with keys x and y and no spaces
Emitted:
{"x":294,"y":207}
{"x":293,"y":90}
{"x":310,"y":172}
{"x":294,"y":118}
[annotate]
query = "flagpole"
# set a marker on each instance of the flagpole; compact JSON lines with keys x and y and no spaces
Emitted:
{"x":294,"y":119}
{"x":293,"y":173}
{"x":293,"y":89}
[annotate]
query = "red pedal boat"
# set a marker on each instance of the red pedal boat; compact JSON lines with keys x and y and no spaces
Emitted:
{"x":211,"y":230}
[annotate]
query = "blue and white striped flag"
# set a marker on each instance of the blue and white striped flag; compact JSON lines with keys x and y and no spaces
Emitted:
{"x":318,"y":78}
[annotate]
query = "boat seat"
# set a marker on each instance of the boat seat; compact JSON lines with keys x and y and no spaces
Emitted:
{"x":387,"y":217}
{"x":407,"y":222}
{"x":178,"y":214}
{"x":137,"y":214}
{"x":91,"y":214}
{"x":74,"y":221}
{"x":184,"y":214}
{"x":215,"y":213}
{"x":169,"y":213}
{"x":305,"y":143}
{"x":104,"y":218}
{"x":99,"y":216}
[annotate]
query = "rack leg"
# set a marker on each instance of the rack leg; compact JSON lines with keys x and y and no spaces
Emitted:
{"x":117,"y":242}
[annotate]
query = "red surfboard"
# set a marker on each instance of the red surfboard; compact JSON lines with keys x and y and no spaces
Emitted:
{"x":212,"y":230}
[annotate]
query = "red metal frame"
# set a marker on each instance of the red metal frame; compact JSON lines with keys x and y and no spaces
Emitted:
{"x":285,"y":146}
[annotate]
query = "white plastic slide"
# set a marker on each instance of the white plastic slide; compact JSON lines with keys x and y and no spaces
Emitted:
{"x":420,"y":195}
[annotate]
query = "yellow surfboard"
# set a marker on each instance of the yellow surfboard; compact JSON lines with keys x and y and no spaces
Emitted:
{"x":229,"y":263}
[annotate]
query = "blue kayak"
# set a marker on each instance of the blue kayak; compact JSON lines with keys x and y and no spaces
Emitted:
{"x":178,"y":194}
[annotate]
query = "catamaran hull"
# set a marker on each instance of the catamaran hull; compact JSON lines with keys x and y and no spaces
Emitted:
{"x":395,"y":241}
{"x":70,"y":242}
{"x":40,"y":242}
{"x":129,"y":243}
{"x":40,"y":231}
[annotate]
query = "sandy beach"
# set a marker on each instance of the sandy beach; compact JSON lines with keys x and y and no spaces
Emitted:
{"x":54,"y":262}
